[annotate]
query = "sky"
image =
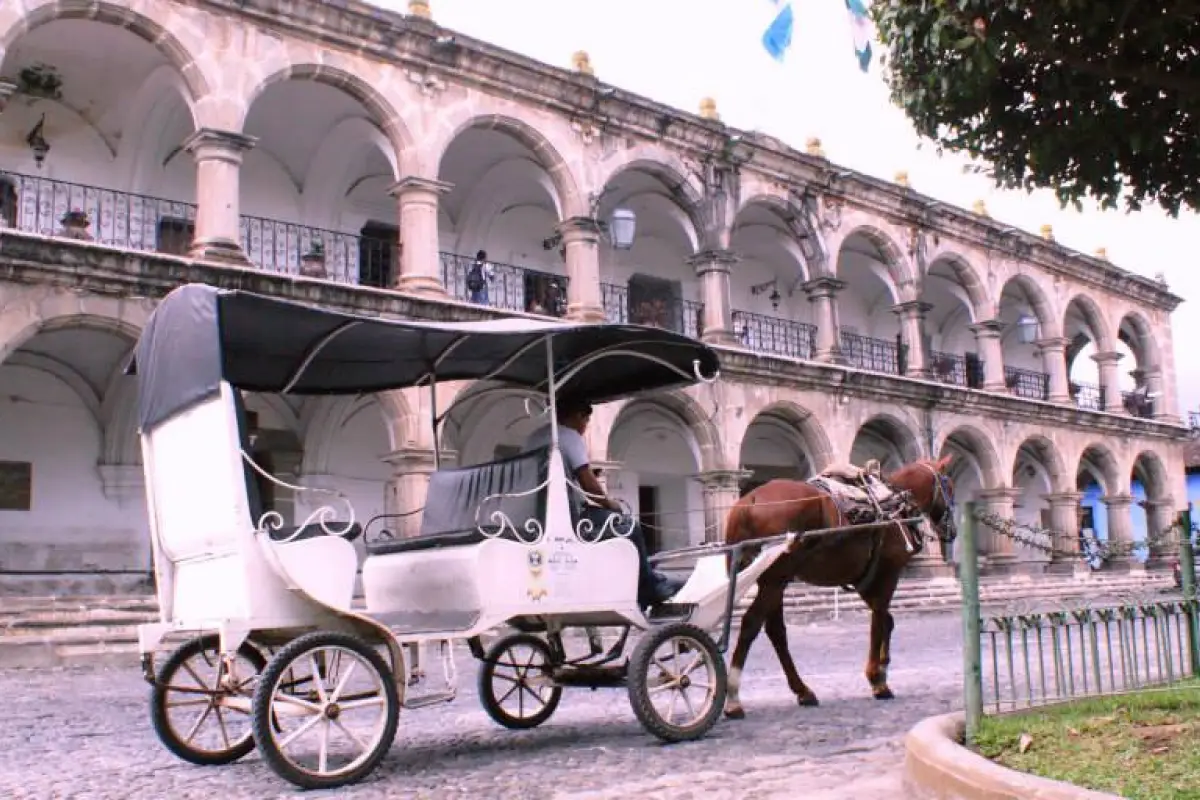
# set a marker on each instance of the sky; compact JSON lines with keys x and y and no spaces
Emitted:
{"x":679,"y":51}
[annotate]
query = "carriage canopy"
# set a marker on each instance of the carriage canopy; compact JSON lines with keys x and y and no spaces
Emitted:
{"x":200,"y":335}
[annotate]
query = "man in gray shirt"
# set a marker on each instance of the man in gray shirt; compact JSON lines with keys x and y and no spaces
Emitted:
{"x":573,"y":416}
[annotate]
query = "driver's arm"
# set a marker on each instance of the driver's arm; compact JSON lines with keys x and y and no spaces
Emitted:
{"x":575,"y":458}
{"x":588,"y":482}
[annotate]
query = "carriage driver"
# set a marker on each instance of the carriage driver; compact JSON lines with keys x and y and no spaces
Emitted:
{"x":573,"y":416}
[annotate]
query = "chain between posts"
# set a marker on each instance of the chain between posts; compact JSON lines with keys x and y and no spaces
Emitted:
{"x":1043,"y":539}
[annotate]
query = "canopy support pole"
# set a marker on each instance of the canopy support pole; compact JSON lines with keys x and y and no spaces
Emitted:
{"x":433,"y":421}
{"x":552,"y":392}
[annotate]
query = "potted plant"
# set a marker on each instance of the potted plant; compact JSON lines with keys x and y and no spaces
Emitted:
{"x":312,"y":263}
{"x":75,"y":224}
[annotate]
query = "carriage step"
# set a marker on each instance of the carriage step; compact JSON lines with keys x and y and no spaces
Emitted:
{"x":671,"y":612}
{"x":429,"y":699}
{"x":590,"y":677}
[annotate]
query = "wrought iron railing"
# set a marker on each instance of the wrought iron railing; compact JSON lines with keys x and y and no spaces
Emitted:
{"x":281,"y":247}
{"x":956,"y":370}
{"x":77,"y":211}
{"x":675,"y":314}
{"x":1087,"y":396}
{"x":774,"y":336}
{"x":1137,"y":404}
{"x":875,"y":355}
{"x":1027,"y":384}
{"x":504,"y":286}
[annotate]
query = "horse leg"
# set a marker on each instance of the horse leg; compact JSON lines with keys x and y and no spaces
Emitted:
{"x":752,"y":623}
{"x":879,"y":653}
{"x":776,"y":630}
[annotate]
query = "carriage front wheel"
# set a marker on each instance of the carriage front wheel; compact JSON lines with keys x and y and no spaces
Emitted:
{"x":200,"y":708}
{"x":677,"y":682}
{"x":325,"y":710}
{"x":515,"y":686}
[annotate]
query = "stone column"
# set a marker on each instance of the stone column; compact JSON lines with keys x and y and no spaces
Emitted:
{"x":218,"y":226}
{"x":721,"y":491}
{"x":1064,"y":521}
{"x":712,"y":268}
{"x":912,"y":334}
{"x":407,"y":490}
{"x":1054,"y":362}
{"x":1110,"y":380}
{"x":822,"y":293}
{"x":581,"y":243}
{"x":987,"y":342}
{"x":1120,"y":529}
{"x":1158,"y":397}
{"x":1001,"y":549}
{"x":1159,"y":517}
{"x":420,"y":258}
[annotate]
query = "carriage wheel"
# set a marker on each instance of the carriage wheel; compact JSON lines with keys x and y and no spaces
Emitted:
{"x":199,"y":709}
{"x":515,"y":686}
{"x":340,"y":725}
{"x":677,"y":682}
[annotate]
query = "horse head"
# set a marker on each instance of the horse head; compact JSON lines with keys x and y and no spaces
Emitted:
{"x":932,"y":490}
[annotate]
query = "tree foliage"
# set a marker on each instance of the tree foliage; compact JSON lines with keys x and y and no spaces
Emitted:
{"x":1086,"y":97}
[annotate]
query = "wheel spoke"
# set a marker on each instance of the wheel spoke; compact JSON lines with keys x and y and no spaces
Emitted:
{"x":351,"y":735}
{"x":199,"y":681}
{"x":199,"y":701}
{"x":221,"y":723}
{"x":303,"y":729}
{"x":688,"y":703}
{"x":319,"y":680}
{"x":196,"y":726}
{"x":323,"y":749}
{"x":366,"y":702}
{"x":333,"y":698}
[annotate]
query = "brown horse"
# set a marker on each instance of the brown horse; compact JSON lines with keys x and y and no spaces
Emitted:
{"x":870,"y":559}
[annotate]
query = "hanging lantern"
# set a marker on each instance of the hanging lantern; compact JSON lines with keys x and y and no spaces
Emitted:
{"x":622,"y":228}
{"x":1027,"y":328}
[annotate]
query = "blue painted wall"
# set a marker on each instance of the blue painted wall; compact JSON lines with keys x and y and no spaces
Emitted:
{"x":1091,"y":498}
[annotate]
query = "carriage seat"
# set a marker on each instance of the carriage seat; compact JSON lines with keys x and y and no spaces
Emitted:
{"x":313,"y":530}
{"x":449,"y":518}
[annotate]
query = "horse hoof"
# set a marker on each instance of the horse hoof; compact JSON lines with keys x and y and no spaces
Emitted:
{"x":809,"y":699}
{"x":737,"y":712}
{"x":885,"y":694}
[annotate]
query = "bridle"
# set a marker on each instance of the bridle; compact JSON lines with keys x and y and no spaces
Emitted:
{"x":945,"y":526}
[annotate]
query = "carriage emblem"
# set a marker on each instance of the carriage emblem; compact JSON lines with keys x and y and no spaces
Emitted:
{"x":536,"y":590}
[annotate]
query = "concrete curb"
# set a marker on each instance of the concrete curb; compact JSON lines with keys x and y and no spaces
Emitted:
{"x":937,"y":767}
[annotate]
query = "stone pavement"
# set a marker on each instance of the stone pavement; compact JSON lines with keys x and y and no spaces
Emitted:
{"x":85,"y":733}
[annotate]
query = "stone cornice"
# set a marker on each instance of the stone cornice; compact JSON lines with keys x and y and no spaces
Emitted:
{"x":85,"y":266}
{"x":393,"y":37}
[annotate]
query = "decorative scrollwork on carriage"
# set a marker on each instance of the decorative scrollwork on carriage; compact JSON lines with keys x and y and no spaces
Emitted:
{"x":531,"y":531}
{"x":322,"y":517}
{"x":615,"y":525}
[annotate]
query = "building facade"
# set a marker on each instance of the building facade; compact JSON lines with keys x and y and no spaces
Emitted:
{"x":364,"y":159}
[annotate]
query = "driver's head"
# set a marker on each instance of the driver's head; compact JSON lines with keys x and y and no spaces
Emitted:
{"x":574,"y":412}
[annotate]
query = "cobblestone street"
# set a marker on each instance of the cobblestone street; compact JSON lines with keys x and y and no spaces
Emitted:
{"x":85,"y":733}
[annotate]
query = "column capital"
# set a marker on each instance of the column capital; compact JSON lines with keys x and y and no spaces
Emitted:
{"x":414,"y":184}
{"x":211,"y":143}
{"x":1111,"y":357}
{"x":408,"y":460}
{"x":1052,"y":344}
{"x":723,"y":478}
{"x":999,"y":495}
{"x":712,"y":261}
{"x":1117,"y":501}
{"x":1062,"y":499}
{"x":580,"y":229}
{"x":7,"y":90}
{"x":914,"y":308}
{"x":823,"y":286}
{"x":987,"y":328}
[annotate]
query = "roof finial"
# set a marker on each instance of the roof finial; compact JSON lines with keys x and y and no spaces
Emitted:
{"x":582,"y":62}
{"x":980,"y":208}
{"x":1048,"y":233}
{"x":813,"y":147}
{"x":419,"y":8}
{"x":708,"y":109}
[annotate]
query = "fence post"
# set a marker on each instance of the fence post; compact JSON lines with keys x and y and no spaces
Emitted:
{"x":1187,"y":577}
{"x":968,"y":577}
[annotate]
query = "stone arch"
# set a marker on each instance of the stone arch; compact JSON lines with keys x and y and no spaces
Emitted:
{"x":801,"y":423}
{"x":570,"y":199}
{"x":122,"y":16}
{"x":896,"y":431}
{"x":1138,"y":335}
{"x":323,"y":418}
{"x":381,"y":110}
{"x":685,"y":410}
{"x":675,"y":177}
{"x":969,"y":280}
{"x":146,"y":119}
{"x":1038,"y":301}
{"x":791,"y":218}
{"x":325,"y":183}
{"x":1151,"y":472}
{"x":976,"y":445}
{"x":1097,"y":457}
{"x":1094,"y":318}
{"x":399,"y":418}
{"x":896,"y":264}
{"x":19,"y":325}
{"x":1046,"y":455}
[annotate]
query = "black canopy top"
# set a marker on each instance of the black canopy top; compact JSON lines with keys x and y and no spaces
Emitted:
{"x":200,"y":335}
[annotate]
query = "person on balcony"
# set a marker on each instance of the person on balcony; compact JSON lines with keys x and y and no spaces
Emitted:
{"x":574,"y":413}
{"x":479,"y":276}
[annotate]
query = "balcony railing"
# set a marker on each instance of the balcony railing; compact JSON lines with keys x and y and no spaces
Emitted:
{"x":504,"y":286}
{"x":1138,"y":405}
{"x":874,"y":355}
{"x":1027,"y":383}
{"x":280,"y":247}
{"x":956,"y":370}
{"x":1087,"y":396}
{"x":774,"y":336}
{"x":671,"y":313}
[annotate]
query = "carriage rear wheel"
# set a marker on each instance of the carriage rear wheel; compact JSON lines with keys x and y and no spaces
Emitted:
{"x":326,"y":710}
{"x":677,"y":682}
{"x":199,"y":708}
{"x":515,"y":686}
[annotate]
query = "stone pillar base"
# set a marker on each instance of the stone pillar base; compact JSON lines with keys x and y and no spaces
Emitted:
{"x":1003,"y":564}
{"x":420,"y":284}
{"x":721,"y":338}
{"x":222,"y":251}
{"x":928,"y":569}
{"x":834,"y":356}
{"x":1064,"y":566}
{"x":586,"y":314}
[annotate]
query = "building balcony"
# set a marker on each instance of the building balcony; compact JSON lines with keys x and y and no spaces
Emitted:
{"x":651,"y":303}
{"x":873,"y":355}
{"x":774,"y":336}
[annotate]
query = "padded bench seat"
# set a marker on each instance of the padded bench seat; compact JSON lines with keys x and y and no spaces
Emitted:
{"x":454,"y":496}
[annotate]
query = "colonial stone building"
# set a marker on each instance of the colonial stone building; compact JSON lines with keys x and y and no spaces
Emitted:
{"x":362,"y":159}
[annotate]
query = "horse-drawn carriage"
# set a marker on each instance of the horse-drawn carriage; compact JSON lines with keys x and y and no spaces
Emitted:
{"x":317,"y":680}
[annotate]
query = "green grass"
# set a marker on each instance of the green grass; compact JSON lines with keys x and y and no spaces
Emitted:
{"x":1143,"y":746}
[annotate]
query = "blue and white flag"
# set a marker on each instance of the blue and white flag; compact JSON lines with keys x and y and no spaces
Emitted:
{"x":778,"y":36}
{"x":860,"y":27}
